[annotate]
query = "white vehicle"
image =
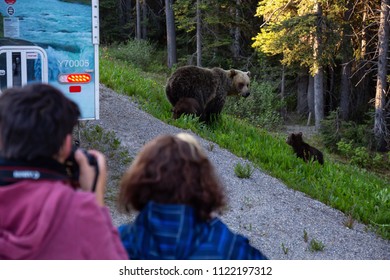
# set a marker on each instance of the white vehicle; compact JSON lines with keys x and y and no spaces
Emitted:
{"x":52,"y":41}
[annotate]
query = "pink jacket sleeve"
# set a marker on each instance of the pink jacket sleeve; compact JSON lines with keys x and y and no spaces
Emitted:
{"x":99,"y":239}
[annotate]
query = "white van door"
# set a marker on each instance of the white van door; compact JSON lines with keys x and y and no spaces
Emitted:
{"x":21,"y":65}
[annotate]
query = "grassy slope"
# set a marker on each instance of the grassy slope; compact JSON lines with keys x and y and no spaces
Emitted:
{"x":356,"y":192}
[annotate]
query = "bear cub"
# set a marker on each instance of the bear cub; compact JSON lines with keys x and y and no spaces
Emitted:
{"x":304,"y":150}
{"x":186,"y":105}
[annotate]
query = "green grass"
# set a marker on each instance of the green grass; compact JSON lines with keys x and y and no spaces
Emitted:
{"x":316,"y":246}
{"x":118,"y":159}
{"x":243,"y":170}
{"x":361,"y":194}
{"x":95,"y":137}
{"x":285,"y":249}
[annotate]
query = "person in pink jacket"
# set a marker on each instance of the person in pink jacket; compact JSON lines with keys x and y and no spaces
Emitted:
{"x":45,"y":213}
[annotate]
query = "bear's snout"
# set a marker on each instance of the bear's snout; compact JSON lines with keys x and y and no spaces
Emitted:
{"x":245,"y":94}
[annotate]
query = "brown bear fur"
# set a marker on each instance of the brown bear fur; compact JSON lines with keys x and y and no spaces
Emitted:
{"x":209,"y":87}
{"x":186,"y":105}
{"x":304,"y":150}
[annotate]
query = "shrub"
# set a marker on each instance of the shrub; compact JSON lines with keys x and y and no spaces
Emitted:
{"x":334,"y":129}
{"x":243,"y":171}
{"x":316,"y":246}
{"x":330,"y":131}
{"x":345,"y":148}
{"x":261,"y":108}
{"x":137,"y":52}
{"x":361,"y":156}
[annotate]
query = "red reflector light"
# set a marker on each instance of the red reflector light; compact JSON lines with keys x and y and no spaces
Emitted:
{"x":74,"y":78}
{"x":73,"y":89}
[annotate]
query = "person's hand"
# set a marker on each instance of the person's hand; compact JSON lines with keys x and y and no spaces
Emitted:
{"x":87,"y":173}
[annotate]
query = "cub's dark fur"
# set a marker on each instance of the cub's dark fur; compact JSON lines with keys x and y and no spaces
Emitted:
{"x":304,"y":150}
{"x":188,"y":106}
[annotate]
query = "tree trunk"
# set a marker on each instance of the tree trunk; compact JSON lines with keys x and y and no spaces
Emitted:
{"x":381,"y":85}
{"x":346,"y":67}
{"x":144,"y":20}
{"x":319,"y":97}
{"x":236,"y":33}
{"x":138,"y":24}
{"x":363,"y":45}
{"x":171,"y":33}
{"x":345,"y":90}
{"x":198,"y":34}
{"x":283,"y":93}
{"x":318,"y":71}
{"x":310,"y":95}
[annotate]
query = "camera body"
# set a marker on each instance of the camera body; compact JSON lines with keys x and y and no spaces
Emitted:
{"x":73,"y":169}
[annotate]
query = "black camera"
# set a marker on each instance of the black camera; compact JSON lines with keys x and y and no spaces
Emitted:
{"x":73,"y":169}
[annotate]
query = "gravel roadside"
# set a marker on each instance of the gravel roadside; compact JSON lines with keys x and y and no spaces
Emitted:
{"x":279,"y":221}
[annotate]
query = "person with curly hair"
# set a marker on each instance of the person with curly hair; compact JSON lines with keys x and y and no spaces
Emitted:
{"x":173,"y":185}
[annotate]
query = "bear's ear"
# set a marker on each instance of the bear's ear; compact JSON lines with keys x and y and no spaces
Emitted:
{"x":248,"y":73}
{"x":292,"y":136}
{"x":232,"y":73}
{"x":299,"y":133}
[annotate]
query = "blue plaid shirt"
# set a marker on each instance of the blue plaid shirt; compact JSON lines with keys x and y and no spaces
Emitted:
{"x":172,"y":231}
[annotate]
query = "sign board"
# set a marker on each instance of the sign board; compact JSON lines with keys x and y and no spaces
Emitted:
{"x":52,"y":41}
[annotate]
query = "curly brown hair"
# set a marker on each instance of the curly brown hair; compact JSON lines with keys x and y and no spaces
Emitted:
{"x":172,"y":170}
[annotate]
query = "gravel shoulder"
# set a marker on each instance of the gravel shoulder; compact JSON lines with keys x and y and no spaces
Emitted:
{"x":281,"y":222}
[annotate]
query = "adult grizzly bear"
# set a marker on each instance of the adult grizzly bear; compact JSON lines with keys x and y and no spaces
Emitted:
{"x":209,"y":87}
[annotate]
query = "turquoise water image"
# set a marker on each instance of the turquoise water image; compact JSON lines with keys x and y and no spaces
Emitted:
{"x":64,"y":31}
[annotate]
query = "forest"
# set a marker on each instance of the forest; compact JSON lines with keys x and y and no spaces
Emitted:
{"x":314,"y":64}
{"x":326,"y":61}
